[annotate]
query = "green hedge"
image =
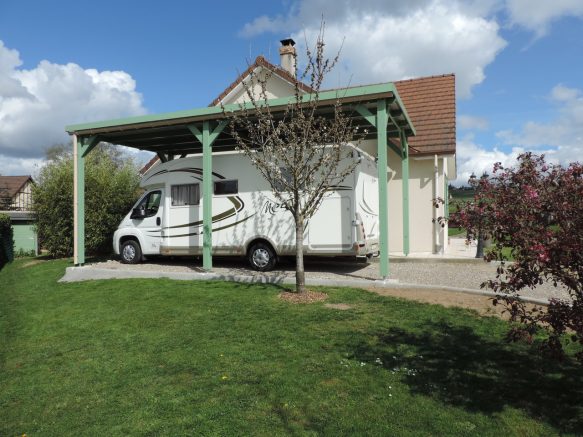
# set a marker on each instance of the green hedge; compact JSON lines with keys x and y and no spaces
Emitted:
{"x":6,"y":240}
{"x":111,"y":188}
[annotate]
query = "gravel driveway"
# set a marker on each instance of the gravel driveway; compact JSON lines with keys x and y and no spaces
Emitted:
{"x":468,"y":274}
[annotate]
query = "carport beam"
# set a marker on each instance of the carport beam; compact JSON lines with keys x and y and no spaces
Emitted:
{"x":381,"y":123}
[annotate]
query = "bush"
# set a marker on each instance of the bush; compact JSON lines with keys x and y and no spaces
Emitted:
{"x":21,"y":253}
{"x":111,"y":188}
{"x":6,"y":240}
{"x":535,"y":209}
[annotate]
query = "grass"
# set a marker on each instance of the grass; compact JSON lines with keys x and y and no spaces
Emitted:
{"x":161,"y":357}
{"x":451,"y":231}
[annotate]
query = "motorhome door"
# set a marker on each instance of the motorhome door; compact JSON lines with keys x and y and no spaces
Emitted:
{"x":147,"y":217}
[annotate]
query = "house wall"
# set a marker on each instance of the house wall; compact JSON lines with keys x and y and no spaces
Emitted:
{"x":276,"y":88}
{"x":22,"y":201}
{"x":422,"y":230}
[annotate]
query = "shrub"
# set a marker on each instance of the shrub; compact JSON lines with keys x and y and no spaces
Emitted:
{"x":6,"y":240}
{"x":536,"y":209}
{"x":111,"y":188}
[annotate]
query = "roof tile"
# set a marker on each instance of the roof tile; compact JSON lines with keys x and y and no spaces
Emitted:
{"x":430,"y":103}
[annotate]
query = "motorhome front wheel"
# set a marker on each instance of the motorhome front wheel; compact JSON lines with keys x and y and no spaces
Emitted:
{"x":262,"y":257}
{"x":130,"y":252}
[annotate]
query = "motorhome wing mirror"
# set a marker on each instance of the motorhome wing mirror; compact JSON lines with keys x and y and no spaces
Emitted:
{"x":138,"y":213}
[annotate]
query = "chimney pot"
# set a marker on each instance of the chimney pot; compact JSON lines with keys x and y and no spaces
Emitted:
{"x":287,"y":56}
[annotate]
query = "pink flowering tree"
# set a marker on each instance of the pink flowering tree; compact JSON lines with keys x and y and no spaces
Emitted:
{"x":536,"y":210}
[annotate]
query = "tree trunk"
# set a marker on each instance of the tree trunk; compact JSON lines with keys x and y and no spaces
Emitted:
{"x":300,"y":274}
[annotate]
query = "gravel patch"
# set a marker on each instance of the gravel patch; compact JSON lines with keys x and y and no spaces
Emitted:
{"x":439,"y":273}
{"x":308,"y":296}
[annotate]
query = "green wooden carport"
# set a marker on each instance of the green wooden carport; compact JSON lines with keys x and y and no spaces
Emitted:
{"x":378,"y":108}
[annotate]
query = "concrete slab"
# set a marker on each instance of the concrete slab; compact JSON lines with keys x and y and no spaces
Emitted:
{"x":88,"y":273}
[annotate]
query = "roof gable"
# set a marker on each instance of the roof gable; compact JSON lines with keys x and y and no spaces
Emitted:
{"x":429,"y":101}
{"x":11,"y":185}
{"x":260,"y":61}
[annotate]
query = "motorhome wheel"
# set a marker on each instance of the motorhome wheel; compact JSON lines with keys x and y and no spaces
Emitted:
{"x":262,"y":257}
{"x":130,"y":252}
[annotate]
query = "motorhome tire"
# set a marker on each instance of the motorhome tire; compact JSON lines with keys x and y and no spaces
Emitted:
{"x":262,"y":257}
{"x":130,"y":252}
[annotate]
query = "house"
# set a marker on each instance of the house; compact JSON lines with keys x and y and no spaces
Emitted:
{"x":16,"y":202}
{"x":416,"y":151}
{"x":430,"y":104}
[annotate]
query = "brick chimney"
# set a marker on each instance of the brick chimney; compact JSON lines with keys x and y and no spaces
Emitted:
{"x":287,"y":56}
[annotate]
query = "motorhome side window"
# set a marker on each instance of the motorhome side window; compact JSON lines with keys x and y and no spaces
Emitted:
{"x":183,"y":195}
{"x":227,"y":187}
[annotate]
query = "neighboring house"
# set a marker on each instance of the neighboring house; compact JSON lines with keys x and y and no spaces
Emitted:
{"x":430,"y":103}
{"x":16,"y":201}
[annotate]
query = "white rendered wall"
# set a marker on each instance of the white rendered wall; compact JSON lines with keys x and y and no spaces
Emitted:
{"x":421,"y":210}
{"x":276,"y":88}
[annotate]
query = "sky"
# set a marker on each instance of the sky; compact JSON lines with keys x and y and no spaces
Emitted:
{"x":518,"y":64}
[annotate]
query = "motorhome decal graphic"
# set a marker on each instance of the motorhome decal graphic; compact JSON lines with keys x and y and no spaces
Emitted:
{"x":238,"y":206}
{"x":215,"y":229}
{"x":186,"y":170}
{"x":339,"y":188}
{"x":270,"y":207}
{"x":157,"y":173}
{"x":365,"y":206}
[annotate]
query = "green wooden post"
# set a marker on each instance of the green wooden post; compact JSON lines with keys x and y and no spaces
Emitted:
{"x":82,"y":146}
{"x":381,"y":123}
{"x":207,"y":138}
{"x":446,"y":196}
{"x":207,"y":199}
{"x":405,"y":184}
{"x":80,"y":203}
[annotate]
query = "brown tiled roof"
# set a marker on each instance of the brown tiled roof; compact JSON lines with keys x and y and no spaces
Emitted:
{"x":149,"y":165}
{"x":10,"y":185}
{"x":260,"y":61}
{"x":430,"y":103}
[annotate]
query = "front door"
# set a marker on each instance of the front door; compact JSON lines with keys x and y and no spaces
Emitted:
{"x":149,"y":221}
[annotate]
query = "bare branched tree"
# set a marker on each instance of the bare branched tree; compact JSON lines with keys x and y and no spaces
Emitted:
{"x":301,"y":151}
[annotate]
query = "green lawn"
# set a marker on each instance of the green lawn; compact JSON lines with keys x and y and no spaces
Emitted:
{"x":161,"y":357}
{"x":455,"y":231}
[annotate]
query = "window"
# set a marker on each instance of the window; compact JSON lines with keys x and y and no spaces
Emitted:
{"x":149,"y":204}
{"x":183,"y":195}
{"x":227,"y":187}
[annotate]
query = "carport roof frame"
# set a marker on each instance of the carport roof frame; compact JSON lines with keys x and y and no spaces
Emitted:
{"x":359,"y":94}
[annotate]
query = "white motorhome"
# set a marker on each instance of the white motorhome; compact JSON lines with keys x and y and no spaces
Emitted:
{"x":247,"y":219}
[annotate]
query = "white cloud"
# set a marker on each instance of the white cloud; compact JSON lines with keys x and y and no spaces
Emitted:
{"x":562,"y":93}
{"x":562,"y":137}
{"x":19,"y":166}
{"x":473,"y":158}
{"x":538,"y":15}
{"x":392,"y":40}
{"x":36,"y":104}
{"x":469,"y":122}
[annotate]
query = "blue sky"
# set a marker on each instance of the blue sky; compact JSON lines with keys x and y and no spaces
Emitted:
{"x":518,"y":64}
